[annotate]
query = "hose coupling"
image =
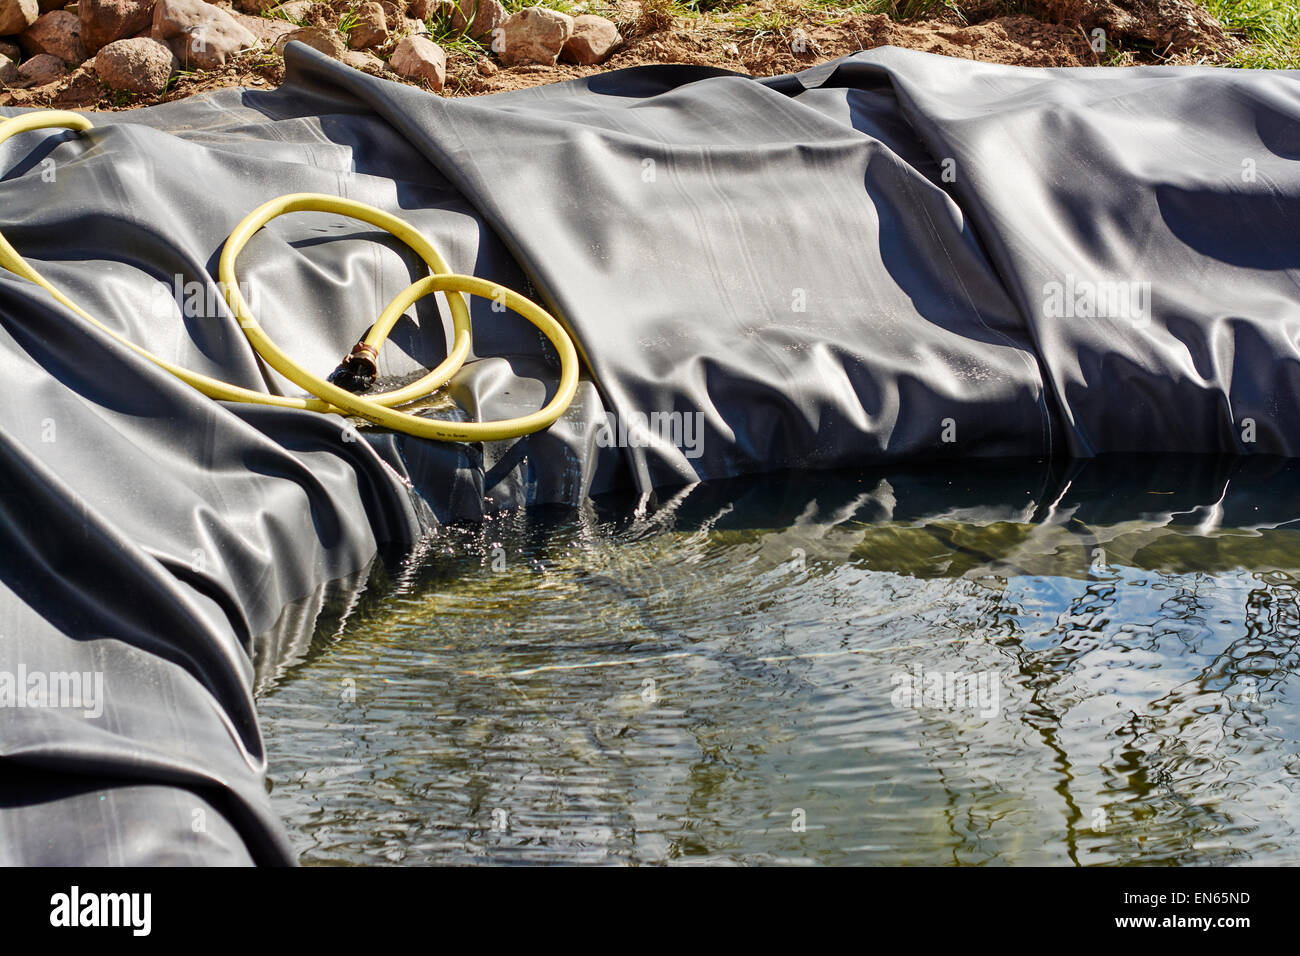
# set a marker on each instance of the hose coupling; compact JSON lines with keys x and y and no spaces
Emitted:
{"x":358,"y":370}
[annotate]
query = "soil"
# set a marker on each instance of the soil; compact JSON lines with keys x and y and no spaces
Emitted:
{"x":765,"y":38}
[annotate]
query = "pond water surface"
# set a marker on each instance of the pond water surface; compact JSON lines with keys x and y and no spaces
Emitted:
{"x":1015,"y":663}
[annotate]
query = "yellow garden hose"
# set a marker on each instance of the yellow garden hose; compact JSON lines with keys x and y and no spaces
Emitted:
{"x":360,"y":364}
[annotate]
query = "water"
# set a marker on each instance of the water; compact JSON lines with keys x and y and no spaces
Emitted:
{"x":721,"y":677}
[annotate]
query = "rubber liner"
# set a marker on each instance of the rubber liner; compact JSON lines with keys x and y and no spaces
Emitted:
{"x":890,"y":258}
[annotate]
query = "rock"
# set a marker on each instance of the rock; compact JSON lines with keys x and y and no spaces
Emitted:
{"x":415,"y":28}
{"x":17,"y":15}
{"x":478,"y":18}
{"x":200,"y":34}
{"x":39,"y":70}
{"x":8,"y":71}
{"x":424,"y":9}
{"x":419,"y":58}
{"x":103,"y":21}
{"x":371,"y":26}
{"x":533,"y":35}
{"x":255,"y":6}
{"x":594,"y":39}
{"x":135,"y":65}
{"x":267,"y":29}
{"x":57,"y":33}
{"x":327,"y":41}
{"x":48,"y":5}
{"x":361,"y":60}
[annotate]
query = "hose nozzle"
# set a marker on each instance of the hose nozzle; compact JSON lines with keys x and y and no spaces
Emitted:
{"x":358,"y":370}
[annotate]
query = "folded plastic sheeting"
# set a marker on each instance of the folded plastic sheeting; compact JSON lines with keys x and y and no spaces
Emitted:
{"x":887,"y":258}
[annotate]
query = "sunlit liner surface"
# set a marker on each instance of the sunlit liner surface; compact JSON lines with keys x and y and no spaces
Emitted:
{"x":720,"y":679}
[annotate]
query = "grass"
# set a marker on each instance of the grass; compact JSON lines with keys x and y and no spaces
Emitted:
{"x":452,"y":40}
{"x":914,"y":9}
{"x":348,"y":23}
{"x":1271,"y":27}
{"x":176,"y":77}
{"x":564,"y":6}
{"x":760,"y":22}
{"x":279,"y":13}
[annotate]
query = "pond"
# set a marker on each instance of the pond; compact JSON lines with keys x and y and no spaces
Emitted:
{"x":1006,"y":662}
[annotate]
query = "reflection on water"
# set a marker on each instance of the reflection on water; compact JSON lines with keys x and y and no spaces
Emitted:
{"x":1102,"y":657}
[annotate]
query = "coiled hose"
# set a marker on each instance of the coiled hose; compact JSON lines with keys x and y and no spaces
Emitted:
{"x":358,"y":369}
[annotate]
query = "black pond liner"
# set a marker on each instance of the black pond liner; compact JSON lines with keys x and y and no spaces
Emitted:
{"x":891,"y":258}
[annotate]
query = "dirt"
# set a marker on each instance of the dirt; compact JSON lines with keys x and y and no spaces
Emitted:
{"x":1016,"y":40}
{"x":766,"y":38}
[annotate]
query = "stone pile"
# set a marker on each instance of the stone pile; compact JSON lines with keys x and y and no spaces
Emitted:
{"x":137,"y":45}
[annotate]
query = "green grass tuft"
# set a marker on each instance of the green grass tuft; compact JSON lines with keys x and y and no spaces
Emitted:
{"x":452,"y":40}
{"x":279,"y":13}
{"x":348,"y":23}
{"x":1271,"y":27}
